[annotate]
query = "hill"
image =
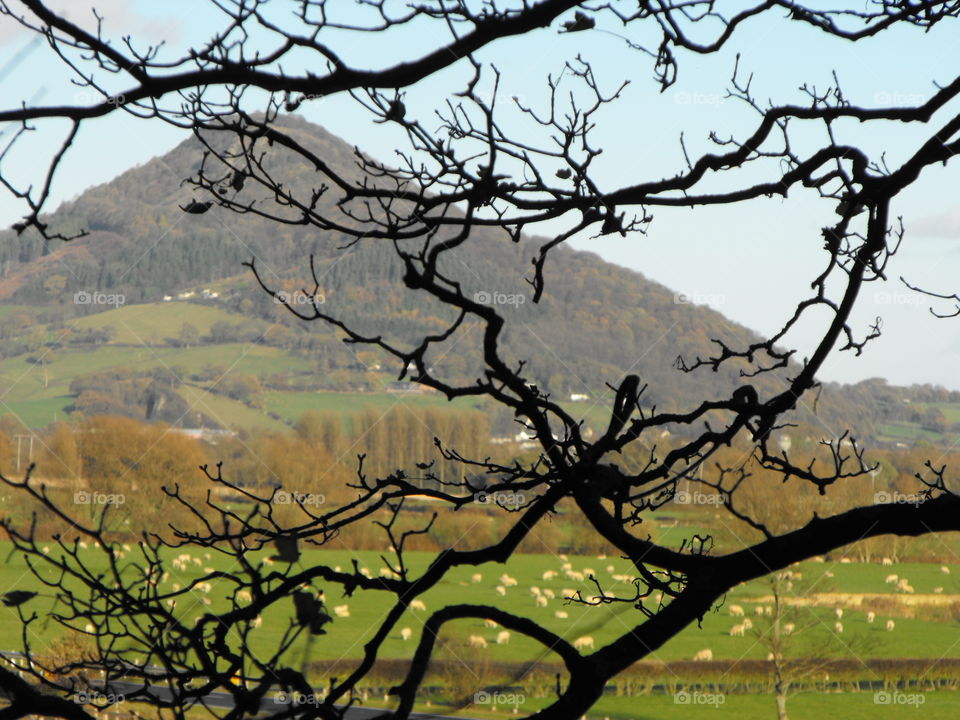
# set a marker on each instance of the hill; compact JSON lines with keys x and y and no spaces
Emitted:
{"x":186,"y":303}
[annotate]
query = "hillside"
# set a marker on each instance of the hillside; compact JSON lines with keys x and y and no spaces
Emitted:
{"x":596,"y":320}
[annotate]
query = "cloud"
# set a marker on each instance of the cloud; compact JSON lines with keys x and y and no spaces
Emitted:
{"x":120,"y":17}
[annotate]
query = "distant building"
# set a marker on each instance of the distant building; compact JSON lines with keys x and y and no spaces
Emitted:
{"x":578,"y":397}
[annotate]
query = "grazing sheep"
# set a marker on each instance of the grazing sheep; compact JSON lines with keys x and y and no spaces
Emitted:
{"x":601,"y":557}
{"x":477,"y":642}
{"x":818,"y":558}
{"x":541,"y":601}
{"x":747,"y":623}
{"x":257,"y":621}
{"x":548,"y":593}
{"x":589,"y":571}
{"x":838,"y":612}
{"x":406,"y":633}
{"x":534,"y":590}
{"x":938,"y":589}
{"x":844,"y":561}
{"x":944,"y":569}
{"x":561,"y":614}
{"x":490,"y":623}
{"x":769,"y":656}
{"x":476,"y":577}
{"x":503,"y":637}
{"x":244,"y":596}
{"x":890,"y":625}
{"x":610,"y":568}
{"x":89,"y":628}
{"x":549,"y":575}
{"x":758,"y":610}
{"x":736,"y":611}
{"x":209,"y":570}
{"x":567,"y":592}
{"x":788,"y":628}
{"x":342,"y":611}
{"x":768,"y":610}
{"x":583,"y":642}
{"x":886,"y":561}
{"x":871,"y":617}
{"x":508,"y":581}
{"x":704,"y":655}
{"x":196,"y":561}
{"x":574,"y":575}
{"x":205,"y":601}
{"x":501,"y":590}
{"x":563,"y":557}
{"x":417,"y":605}
{"x":891,"y":579}
{"x":365,"y":572}
{"x":622,"y":578}
{"x":738,"y":630}
{"x":566,"y":567}
{"x":828,"y":574}
{"x":838,"y":626}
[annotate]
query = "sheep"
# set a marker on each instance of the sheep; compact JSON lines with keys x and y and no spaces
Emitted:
{"x":838,"y":626}
{"x":548,"y":593}
{"x":738,"y":630}
{"x":342,"y":611}
{"x":549,"y":575}
{"x":818,"y":558}
{"x":736,"y":611}
{"x":365,"y":572}
{"x":891,"y":579}
{"x":196,"y":561}
{"x":944,"y":569}
{"x":508,"y":581}
{"x":768,"y":610}
{"x":567,"y":592}
{"x":601,"y":556}
{"x":588,"y":572}
{"x":89,"y":628}
{"x":838,"y":612}
{"x":418,"y":605}
{"x":244,"y":596}
{"x":758,"y":610}
{"x":770,"y":656}
{"x":534,"y":590}
{"x":890,"y":625}
{"x":574,"y":575}
{"x":205,"y":601}
{"x":610,"y":569}
{"x":566,"y":567}
{"x":886,"y":561}
{"x":490,"y":623}
{"x":828,"y":574}
{"x":541,"y":601}
{"x":563,"y":557}
{"x":583,"y":642}
{"x":561,"y":614}
{"x":476,"y":641}
{"x":476,"y":578}
{"x":501,"y":590}
{"x":503,"y":637}
{"x":406,"y":633}
{"x":208,"y":570}
{"x":938,"y":589}
{"x":747,"y":623}
{"x":871,"y":617}
{"x":256,"y":622}
{"x":788,"y":628}
{"x":704,"y":655}
{"x":844,"y":561}
{"x":622,"y":578}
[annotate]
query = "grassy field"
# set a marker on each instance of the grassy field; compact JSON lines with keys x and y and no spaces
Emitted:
{"x":153,"y":323}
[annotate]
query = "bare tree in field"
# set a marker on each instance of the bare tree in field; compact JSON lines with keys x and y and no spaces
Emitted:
{"x":459,"y":172}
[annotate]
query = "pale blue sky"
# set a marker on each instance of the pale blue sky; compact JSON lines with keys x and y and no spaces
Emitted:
{"x":750,"y":262}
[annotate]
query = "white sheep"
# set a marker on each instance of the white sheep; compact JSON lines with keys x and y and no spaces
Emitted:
{"x":561,"y":614}
{"x":574,"y":575}
{"x":477,"y":642}
{"x":244,"y":596}
{"x":508,"y":581}
{"x":738,"y":630}
{"x":736,"y":611}
{"x":548,"y":593}
{"x":788,"y":628}
{"x":747,"y":623}
{"x":944,"y":569}
{"x":583,"y":642}
{"x":890,"y":625}
{"x":589,"y":571}
{"x":844,"y":561}
{"x":490,"y":623}
{"x":549,"y":575}
{"x":871,"y":617}
{"x":838,"y":626}
{"x":501,"y":590}
{"x":534,"y":590}
{"x":704,"y":655}
{"x":886,"y":561}
{"x":476,"y":577}
{"x":417,"y":605}
{"x":256,"y":622}
{"x":567,"y":593}
{"x":838,"y":612}
{"x":768,"y":610}
{"x":406,"y":633}
{"x":891,"y":579}
{"x":503,"y":637}
{"x":541,"y":601}
{"x":610,"y":569}
{"x":342,"y":611}
{"x":938,"y":589}
{"x":758,"y":610}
